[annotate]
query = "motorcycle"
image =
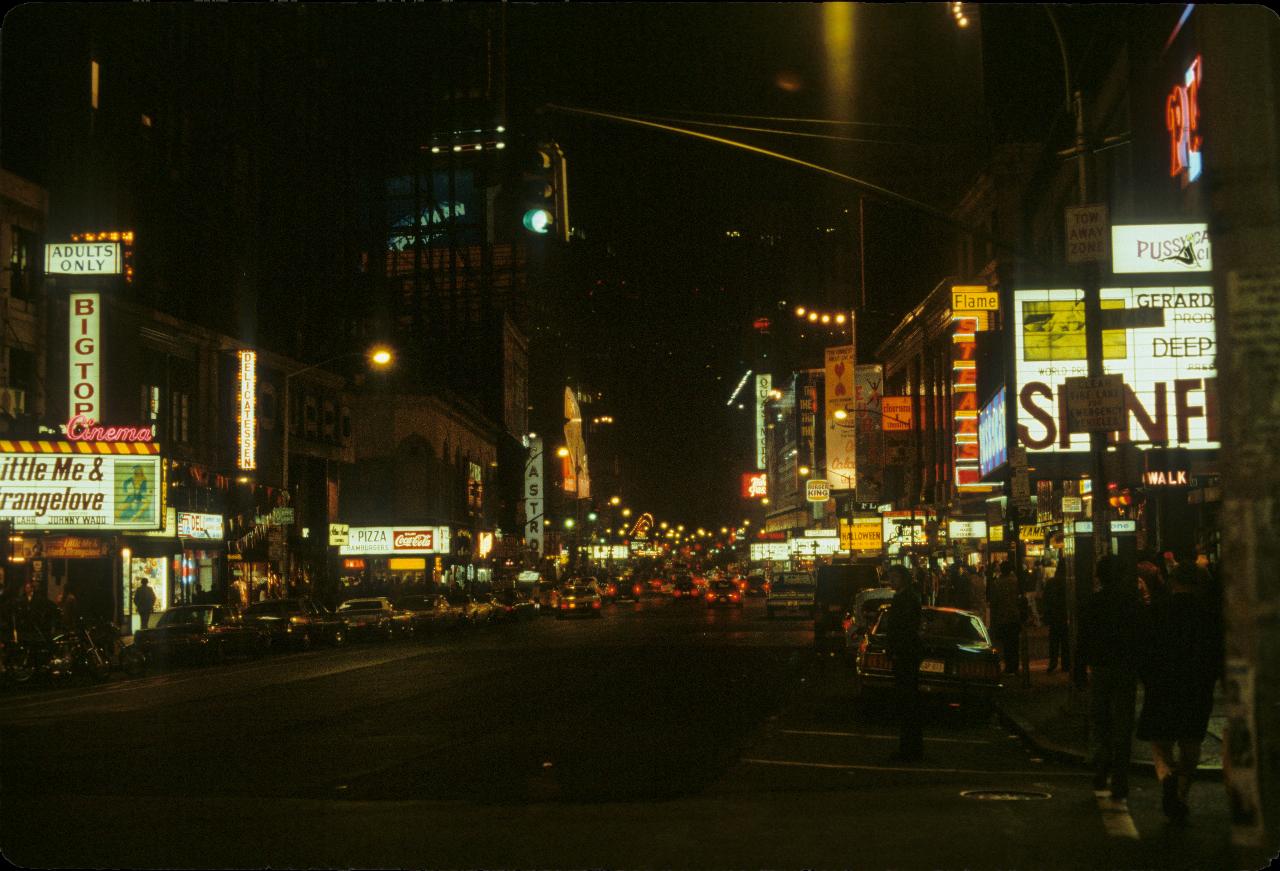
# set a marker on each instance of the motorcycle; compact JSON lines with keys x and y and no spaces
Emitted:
{"x":74,"y":653}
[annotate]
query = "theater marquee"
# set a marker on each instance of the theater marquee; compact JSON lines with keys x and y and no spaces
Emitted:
{"x":103,"y":486}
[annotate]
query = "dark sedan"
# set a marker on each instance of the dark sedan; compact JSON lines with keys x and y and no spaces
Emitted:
{"x":513,"y":605}
{"x":685,"y":588}
{"x":958,"y":664}
{"x":298,"y":623}
{"x":723,"y":594}
{"x":201,"y":633}
{"x":426,"y":613}
{"x":578,"y":601}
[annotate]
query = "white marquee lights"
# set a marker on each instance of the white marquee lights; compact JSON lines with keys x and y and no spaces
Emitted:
{"x":248,"y":402}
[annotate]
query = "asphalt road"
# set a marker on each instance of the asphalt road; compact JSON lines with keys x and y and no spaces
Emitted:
{"x":659,"y":736}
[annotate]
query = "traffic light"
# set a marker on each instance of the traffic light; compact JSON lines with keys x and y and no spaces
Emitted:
{"x":547,"y":193}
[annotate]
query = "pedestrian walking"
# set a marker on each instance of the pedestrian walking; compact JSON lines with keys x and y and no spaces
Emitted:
{"x":1151,"y":583}
{"x":144,"y":600}
{"x":1006,"y":615}
{"x":905,"y":648}
{"x":1055,"y":616}
{"x":1112,"y":635}
{"x":1184,"y":660}
{"x":978,"y":595}
{"x":69,"y":608}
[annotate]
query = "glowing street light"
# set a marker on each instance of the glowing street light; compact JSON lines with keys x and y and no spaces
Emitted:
{"x":840,"y":414}
{"x":626,"y":512}
{"x":562,"y":451}
{"x":381,"y":357}
{"x":615,"y":500}
{"x":804,"y":471}
{"x":568,"y":523}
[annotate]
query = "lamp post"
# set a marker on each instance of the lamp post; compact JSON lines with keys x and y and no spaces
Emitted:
{"x":379,"y":357}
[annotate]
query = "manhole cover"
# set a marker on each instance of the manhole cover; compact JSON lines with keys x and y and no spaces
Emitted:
{"x":1005,"y":795}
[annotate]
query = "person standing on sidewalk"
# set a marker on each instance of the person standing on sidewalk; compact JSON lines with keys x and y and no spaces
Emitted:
{"x":905,"y":649}
{"x":1112,"y":636}
{"x":1006,"y":615}
{"x":1184,"y":661}
{"x":1055,"y":616}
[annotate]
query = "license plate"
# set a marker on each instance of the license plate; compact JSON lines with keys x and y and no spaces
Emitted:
{"x":934,"y":666}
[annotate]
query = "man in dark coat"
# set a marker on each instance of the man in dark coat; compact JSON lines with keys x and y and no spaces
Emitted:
{"x":1112,"y":635}
{"x":1006,"y":615}
{"x":1055,"y":616}
{"x":1184,"y":660}
{"x":905,"y":649}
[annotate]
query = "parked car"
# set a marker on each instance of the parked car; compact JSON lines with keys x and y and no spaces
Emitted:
{"x":201,"y":633}
{"x":471,"y":610}
{"x":299,"y":622}
{"x":373,"y":617}
{"x":513,"y":605}
{"x":723,"y":593}
{"x":791,"y":593}
{"x":426,"y":613}
{"x":579,"y":600}
{"x":866,"y":610}
{"x":959,"y":662}
{"x":544,"y":596}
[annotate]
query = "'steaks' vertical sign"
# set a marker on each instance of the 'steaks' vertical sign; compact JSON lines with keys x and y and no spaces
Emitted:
{"x":85,"y":356}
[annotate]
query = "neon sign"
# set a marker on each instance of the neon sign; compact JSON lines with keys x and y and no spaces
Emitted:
{"x":85,"y":429}
{"x":1182,"y":120}
{"x":84,"y":359}
{"x":755,"y":485}
{"x":248,"y":402}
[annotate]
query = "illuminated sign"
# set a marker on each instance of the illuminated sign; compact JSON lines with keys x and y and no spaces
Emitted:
{"x":407,"y":564}
{"x":57,"y":490}
{"x":124,"y":237}
{"x":862,"y":534}
{"x":84,"y":355}
{"x":486,"y":545}
{"x":993,"y":447}
{"x":868,"y":390}
{"x":1169,"y":371}
{"x":770,"y":551}
{"x":369,"y":540}
{"x":247,"y":399}
{"x":976,"y":298}
{"x":85,"y":429}
{"x":755,"y":485}
{"x":764,"y":384}
{"x":896,"y":413}
{"x":82,"y":258}
{"x":206,"y":526}
{"x":1145,"y":248}
{"x":353,"y":563}
{"x":1166,"y":478}
{"x":899,"y":527}
{"x":967,"y":529}
{"x":817,"y":491}
{"x":1182,"y":120}
{"x":533,"y":495}
{"x":810,"y":546}
{"x":964,"y":402}
{"x":842,"y":431}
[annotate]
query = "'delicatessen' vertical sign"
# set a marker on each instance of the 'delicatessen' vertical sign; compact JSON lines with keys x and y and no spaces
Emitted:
{"x":84,"y":356}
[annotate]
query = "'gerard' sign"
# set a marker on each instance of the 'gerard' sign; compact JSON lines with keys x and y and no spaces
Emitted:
{"x":82,"y":258}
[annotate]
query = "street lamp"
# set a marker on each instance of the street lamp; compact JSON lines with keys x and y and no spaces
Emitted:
{"x":380,"y":357}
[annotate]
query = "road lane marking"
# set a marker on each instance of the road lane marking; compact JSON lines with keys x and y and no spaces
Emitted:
{"x":880,"y":737}
{"x":846,"y":767}
{"x":1115,"y":816}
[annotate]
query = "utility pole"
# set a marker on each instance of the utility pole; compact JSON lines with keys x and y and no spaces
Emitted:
{"x":1241,"y":154}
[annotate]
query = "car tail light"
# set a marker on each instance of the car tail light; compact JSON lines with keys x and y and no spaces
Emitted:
{"x":734,"y":597}
{"x":595,"y":604}
{"x":564,"y":606}
{"x":636,"y":589}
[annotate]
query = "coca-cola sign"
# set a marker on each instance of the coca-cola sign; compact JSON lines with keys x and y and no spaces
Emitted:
{"x":413,"y":539}
{"x":373,"y":540}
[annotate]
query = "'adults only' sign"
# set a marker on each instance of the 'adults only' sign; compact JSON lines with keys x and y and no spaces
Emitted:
{"x":82,"y":258}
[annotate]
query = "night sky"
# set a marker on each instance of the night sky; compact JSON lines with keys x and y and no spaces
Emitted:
{"x":905,"y":81}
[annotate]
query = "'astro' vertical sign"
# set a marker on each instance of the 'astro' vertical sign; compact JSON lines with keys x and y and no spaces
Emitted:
{"x":247,"y":401}
{"x":85,"y":356}
{"x":533,"y":495}
{"x":764,"y":384}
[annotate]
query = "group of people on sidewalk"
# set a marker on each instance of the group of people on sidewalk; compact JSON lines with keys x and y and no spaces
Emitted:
{"x":1161,"y":626}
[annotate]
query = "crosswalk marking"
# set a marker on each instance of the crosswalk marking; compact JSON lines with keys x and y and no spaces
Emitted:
{"x":916,"y":770}
{"x":878,"y":737}
{"x":1115,"y":816}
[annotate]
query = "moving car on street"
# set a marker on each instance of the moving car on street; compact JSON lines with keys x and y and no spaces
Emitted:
{"x":684,"y":588}
{"x":201,"y":633}
{"x":370,"y":618}
{"x":579,"y":600}
{"x":471,"y":610}
{"x":837,"y":589}
{"x":958,"y":664}
{"x":299,"y":622}
{"x":724,"y":594}
{"x":793,"y":594}
{"x":544,"y":596}
{"x":757,"y":584}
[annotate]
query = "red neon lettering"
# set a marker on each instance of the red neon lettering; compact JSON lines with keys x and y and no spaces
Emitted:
{"x":84,"y":305}
{"x":85,"y":429}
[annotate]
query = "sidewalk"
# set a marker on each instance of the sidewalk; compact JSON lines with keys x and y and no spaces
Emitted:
{"x":1054,"y":717}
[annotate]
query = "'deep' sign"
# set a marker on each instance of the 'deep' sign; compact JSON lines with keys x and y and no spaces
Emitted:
{"x":81,"y":491}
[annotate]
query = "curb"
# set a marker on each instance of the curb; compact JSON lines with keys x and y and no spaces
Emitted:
{"x":1072,"y":756}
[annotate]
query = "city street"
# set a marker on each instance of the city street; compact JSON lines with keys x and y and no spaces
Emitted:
{"x":660,"y":736}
